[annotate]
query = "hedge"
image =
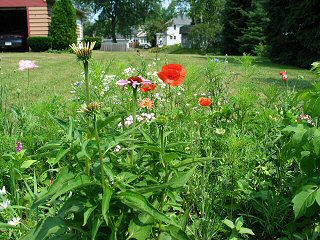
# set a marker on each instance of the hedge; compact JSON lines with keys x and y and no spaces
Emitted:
{"x":40,"y":44}
{"x":98,"y":41}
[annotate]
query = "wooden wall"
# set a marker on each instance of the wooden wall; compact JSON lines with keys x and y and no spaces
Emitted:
{"x":39,"y":21}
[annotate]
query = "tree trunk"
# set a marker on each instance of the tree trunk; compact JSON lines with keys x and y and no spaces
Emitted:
{"x":113,"y":29}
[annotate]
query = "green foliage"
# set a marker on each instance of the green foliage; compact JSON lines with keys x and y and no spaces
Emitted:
{"x":121,"y":15}
{"x":98,"y":41}
{"x":40,"y":44}
{"x":234,"y":22}
{"x":293,"y":32}
{"x":63,"y":27}
{"x":254,"y":32}
{"x":237,"y":228}
{"x":204,"y":36}
{"x":206,"y":17}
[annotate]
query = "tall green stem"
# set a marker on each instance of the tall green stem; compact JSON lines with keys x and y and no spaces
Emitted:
{"x":28,"y":78}
{"x":103,"y":182}
{"x":86,"y":80}
{"x":134,"y":110}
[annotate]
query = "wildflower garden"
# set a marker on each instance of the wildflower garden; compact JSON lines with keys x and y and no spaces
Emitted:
{"x":142,"y":146}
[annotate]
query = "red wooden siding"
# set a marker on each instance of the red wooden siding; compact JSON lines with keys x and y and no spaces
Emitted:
{"x":23,"y":3}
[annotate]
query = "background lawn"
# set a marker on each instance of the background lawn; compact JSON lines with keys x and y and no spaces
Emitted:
{"x":57,"y":72}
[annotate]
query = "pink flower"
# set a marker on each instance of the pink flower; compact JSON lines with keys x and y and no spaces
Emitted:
{"x":19,"y":146}
{"x":27,"y":64}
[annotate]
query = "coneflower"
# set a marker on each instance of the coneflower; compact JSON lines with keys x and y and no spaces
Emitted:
{"x":83,"y":52}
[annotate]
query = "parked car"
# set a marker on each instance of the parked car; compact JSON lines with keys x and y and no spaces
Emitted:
{"x":13,"y":41}
{"x":145,"y":45}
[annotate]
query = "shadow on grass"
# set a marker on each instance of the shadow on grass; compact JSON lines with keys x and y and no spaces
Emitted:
{"x":297,"y":84}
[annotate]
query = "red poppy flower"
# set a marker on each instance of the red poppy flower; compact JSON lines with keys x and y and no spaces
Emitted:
{"x":148,"y":87}
{"x":284,"y":76}
{"x":205,"y":102}
{"x":172,"y":74}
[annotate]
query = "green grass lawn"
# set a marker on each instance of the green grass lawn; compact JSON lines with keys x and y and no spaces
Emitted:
{"x":57,"y":72}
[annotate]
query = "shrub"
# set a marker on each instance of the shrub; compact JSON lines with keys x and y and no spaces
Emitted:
{"x":40,"y":44}
{"x":98,"y":41}
{"x":261,"y":50}
{"x":63,"y":25}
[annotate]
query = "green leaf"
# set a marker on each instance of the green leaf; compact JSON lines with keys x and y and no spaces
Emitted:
{"x":106,"y":202}
{"x":176,"y":233}
{"x":181,"y":179}
{"x":72,"y":205}
{"x":299,"y":131}
{"x":239,"y":223}
{"x":65,"y":182}
{"x":189,"y":161}
{"x":165,"y":236}
{"x":140,"y":228}
{"x":87,"y":214}
{"x":95,"y":228}
{"x":246,"y":231}
{"x":139,"y":202}
{"x":229,"y":223}
{"x":48,"y":227}
{"x":62,"y":153}
{"x":78,"y":182}
{"x":304,"y":199}
{"x":318,"y":196}
{"x":60,"y":122}
{"x":27,"y":164}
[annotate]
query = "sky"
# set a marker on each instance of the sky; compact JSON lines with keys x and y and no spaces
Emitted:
{"x":166,"y":3}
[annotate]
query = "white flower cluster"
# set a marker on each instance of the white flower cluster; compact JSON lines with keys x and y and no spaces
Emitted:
{"x":5,"y":205}
{"x":128,"y":121}
{"x":107,"y":80}
{"x":307,"y":118}
{"x":148,"y":116}
{"x":117,"y":148}
{"x":129,"y":71}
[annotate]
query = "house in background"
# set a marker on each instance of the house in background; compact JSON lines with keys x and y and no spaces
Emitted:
{"x":30,"y":17}
{"x":172,"y":36}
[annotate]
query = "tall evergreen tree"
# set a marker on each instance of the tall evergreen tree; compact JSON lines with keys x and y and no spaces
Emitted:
{"x":294,"y":31}
{"x":63,"y":28}
{"x":255,"y":31}
{"x":234,"y":22}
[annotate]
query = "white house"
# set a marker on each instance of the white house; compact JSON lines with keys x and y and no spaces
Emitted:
{"x":142,"y":37}
{"x":172,"y":36}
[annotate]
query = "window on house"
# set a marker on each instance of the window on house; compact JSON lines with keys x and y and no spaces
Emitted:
{"x":175,"y":37}
{"x":174,"y":27}
{"x":170,"y":37}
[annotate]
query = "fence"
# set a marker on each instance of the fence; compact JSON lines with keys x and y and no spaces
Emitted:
{"x":114,"y":47}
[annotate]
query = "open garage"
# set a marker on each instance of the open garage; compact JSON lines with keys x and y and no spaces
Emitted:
{"x":14,"y":28}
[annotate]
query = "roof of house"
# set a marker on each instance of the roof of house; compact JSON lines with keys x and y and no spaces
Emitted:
{"x":181,"y":19}
{"x":142,"y":34}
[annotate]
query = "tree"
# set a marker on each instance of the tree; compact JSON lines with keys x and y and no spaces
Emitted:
{"x":158,"y":21}
{"x":254,"y":32}
{"x":293,"y":32}
{"x":206,"y":15}
{"x":234,"y":22}
{"x":63,"y":28}
{"x":120,"y":16}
